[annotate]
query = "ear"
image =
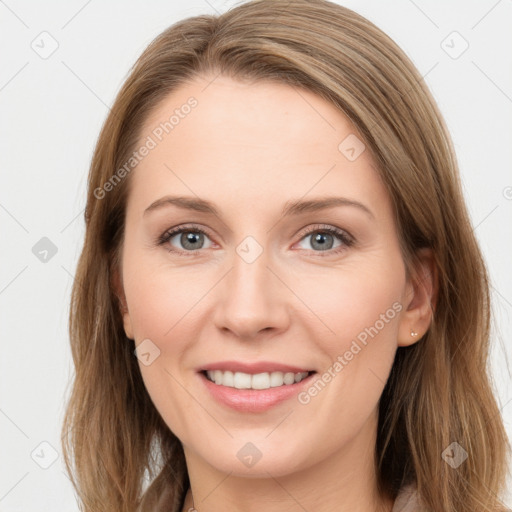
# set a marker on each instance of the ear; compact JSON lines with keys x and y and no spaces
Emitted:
{"x":420,"y":298}
{"x":123,"y":307}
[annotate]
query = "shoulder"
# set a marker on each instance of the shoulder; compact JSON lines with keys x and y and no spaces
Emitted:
{"x":407,"y":500}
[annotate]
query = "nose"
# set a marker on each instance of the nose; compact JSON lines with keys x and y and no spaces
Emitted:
{"x":251,"y":299}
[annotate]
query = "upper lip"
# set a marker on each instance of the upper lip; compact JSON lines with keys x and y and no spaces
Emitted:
{"x":253,"y":368}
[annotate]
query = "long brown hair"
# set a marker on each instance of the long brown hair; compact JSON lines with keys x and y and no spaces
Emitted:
{"x":120,"y":454}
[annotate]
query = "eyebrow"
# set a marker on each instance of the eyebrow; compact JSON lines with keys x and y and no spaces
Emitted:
{"x":290,"y":208}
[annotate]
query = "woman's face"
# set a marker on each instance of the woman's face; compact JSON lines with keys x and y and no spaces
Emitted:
{"x":265,"y":283}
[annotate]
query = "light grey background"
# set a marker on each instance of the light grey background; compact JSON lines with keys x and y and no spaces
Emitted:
{"x":52,"y":112}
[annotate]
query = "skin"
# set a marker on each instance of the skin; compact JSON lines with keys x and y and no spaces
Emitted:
{"x":250,"y":148}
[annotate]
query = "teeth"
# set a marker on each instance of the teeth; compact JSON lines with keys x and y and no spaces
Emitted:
{"x":260,"y":381}
{"x":240,"y":380}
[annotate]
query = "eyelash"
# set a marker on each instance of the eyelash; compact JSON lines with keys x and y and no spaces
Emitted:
{"x":344,"y":237}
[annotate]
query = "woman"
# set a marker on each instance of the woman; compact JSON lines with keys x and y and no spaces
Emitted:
{"x":280,"y":302}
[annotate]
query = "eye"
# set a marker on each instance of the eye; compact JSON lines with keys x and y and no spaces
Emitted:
{"x":191,"y":239}
{"x":324,"y":237}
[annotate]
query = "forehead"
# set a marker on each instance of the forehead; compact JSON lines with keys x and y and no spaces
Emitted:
{"x":224,"y":139}
{"x":252,"y":114}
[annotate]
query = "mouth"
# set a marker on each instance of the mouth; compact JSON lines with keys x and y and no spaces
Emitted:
{"x":254,"y":392}
{"x":255,"y":381}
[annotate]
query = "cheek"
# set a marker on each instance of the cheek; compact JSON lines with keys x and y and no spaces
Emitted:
{"x":361,"y":309}
{"x":163,"y":309}
{"x":357,"y":302}
{"x":163,"y":300}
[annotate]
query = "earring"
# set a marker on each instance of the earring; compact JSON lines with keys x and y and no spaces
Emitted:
{"x":413,"y":334}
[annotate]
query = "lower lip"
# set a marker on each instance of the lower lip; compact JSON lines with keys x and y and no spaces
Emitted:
{"x":254,"y":400}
